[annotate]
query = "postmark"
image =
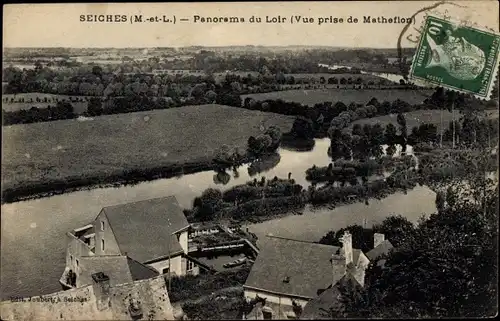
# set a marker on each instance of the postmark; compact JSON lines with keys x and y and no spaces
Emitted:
{"x":456,"y":56}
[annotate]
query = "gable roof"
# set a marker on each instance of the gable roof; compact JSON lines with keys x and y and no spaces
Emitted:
{"x":356,"y":253}
{"x":319,"y":307}
{"x":152,"y":294}
{"x":383,"y":248}
{"x":120,"y":269}
{"x":143,"y":229}
{"x":307,"y":265}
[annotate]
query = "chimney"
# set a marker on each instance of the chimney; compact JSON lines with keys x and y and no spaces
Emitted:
{"x":346,"y":240}
{"x":378,"y":238}
{"x":101,"y":290}
{"x":337,"y":265}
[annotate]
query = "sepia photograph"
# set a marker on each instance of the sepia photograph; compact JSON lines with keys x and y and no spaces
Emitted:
{"x":250,"y":160}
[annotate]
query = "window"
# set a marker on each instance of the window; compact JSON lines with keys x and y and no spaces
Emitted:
{"x":164,"y":271}
{"x":190,"y":265}
{"x":102,"y":225}
{"x":102,"y":244}
{"x":77,"y":263}
{"x":71,"y":259}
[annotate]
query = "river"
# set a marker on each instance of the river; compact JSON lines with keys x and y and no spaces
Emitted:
{"x":33,"y":232}
{"x":33,"y":243}
{"x":392,"y":77}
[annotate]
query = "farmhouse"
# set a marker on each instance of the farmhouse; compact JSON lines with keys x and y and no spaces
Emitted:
{"x":289,"y":274}
{"x":147,"y":237}
{"x":104,"y":298}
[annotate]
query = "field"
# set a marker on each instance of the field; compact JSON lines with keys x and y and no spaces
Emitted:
{"x":30,"y":101}
{"x":311,"y":97}
{"x":415,"y":118}
{"x":101,"y":147}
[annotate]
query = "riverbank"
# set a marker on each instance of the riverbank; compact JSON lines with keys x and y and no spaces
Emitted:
{"x":44,"y":159}
{"x":120,"y":178}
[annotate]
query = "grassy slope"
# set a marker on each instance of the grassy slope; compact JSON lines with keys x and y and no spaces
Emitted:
{"x":314,"y":96}
{"x":415,"y":118}
{"x":109,"y":144}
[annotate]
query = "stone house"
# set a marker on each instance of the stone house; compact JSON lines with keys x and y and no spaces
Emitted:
{"x":152,"y":233}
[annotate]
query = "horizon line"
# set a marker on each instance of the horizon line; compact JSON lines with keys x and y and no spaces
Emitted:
{"x":204,"y":46}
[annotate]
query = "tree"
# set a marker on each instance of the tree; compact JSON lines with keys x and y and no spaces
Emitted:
{"x":97,"y":71}
{"x":376,"y":140}
{"x":391,"y":150}
{"x":373,"y":102}
{"x":357,"y":130}
{"x":390,"y":134}
{"x":302,"y":128}
{"x":440,"y":201}
{"x":397,"y":229}
{"x":260,"y":145}
{"x":208,"y":204}
{"x":94,"y":107}
{"x":275,"y":133}
{"x":210,"y":96}
{"x":448,"y":268}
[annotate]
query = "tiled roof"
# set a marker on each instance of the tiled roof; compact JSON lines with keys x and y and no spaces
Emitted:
{"x":143,"y":229}
{"x":319,"y":307}
{"x":151,"y":293}
{"x":307,"y":265}
{"x":356,"y":253}
{"x":120,"y":269}
{"x":139,"y":271}
{"x":381,"y":249}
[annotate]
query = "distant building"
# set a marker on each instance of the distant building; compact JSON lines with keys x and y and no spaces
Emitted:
{"x":150,"y":235}
{"x":289,"y":274}
{"x":103,"y":299}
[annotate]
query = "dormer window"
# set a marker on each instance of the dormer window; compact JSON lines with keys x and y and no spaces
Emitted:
{"x":286,"y":279}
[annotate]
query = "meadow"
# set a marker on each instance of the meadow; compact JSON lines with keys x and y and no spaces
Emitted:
{"x":347,"y":96}
{"x":30,"y":101}
{"x":107,"y":149}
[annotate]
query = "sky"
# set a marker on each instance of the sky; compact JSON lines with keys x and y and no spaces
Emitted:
{"x":59,"y":25}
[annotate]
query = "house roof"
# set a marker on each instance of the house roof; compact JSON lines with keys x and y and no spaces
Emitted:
{"x":81,"y":303}
{"x":307,"y":265}
{"x":356,"y":253}
{"x":143,"y":229}
{"x":120,"y":269}
{"x":319,"y":307}
{"x":381,"y":249}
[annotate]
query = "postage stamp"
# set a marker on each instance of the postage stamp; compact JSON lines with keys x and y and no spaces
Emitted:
{"x":457,"y":57}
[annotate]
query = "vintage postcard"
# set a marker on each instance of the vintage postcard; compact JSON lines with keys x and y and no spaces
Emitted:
{"x":250,"y":160}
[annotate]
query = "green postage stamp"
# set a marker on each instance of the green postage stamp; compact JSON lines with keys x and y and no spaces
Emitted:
{"x":457,"y":57}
